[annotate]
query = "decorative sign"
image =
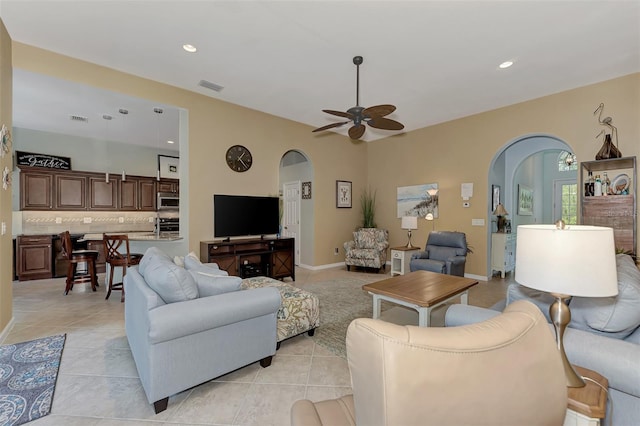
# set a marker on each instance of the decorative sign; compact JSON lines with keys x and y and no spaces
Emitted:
{"x":42,"y":160}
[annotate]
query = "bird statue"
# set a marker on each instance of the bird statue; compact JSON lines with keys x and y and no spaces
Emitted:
{"x":608,"y":150}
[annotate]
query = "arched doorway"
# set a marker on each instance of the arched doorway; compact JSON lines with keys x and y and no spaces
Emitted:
{"x":296,"y":195}
{"x":527,"y":163}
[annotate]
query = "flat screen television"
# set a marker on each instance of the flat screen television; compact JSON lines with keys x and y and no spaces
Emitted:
{"x":242,"y":215}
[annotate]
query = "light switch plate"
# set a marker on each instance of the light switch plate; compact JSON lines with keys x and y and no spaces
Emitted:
{"x":4,"y":228}
{"x":86,"y":220}
{"x":58,"y":220}
{"x":121,"y":219}
{"x":477,"y":222}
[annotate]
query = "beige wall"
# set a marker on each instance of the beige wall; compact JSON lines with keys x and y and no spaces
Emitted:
{"x":213,"y":127}
{"x":449,"y":154}
{"x":6,"y":249}
{"x":463,"y":150}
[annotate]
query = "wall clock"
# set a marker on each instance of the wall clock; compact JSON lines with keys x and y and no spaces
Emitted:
{"x":239,"y":158}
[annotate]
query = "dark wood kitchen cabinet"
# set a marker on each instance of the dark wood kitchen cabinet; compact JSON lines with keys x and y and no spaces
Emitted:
{"x":169,"y":185}
{"x":34,"y":257}
{"x":70,"y":192}
{"x":36,"y":191}
{"x":103,"y":195}
{"x":138,"y":194}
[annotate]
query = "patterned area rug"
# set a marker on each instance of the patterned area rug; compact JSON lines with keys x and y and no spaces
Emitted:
{"x":341,"y":301}
{"x":28,"y":374}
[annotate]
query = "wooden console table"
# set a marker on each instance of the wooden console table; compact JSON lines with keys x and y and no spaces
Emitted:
{"x":269,"y":257}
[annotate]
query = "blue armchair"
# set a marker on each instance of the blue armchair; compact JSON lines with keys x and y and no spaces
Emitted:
{"x":445,"y":253}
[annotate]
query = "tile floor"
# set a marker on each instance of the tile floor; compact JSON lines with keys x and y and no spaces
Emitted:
{"x":98,"y":383}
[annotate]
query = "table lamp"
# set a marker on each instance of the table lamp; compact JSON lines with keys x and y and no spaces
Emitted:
{"x":409,"y":223}
{"x":501,"y":212}
{"x":566,"y":261}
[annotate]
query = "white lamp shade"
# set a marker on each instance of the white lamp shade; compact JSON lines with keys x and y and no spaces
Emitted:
{"x":577,"y":261}
{"x":409,"y":222}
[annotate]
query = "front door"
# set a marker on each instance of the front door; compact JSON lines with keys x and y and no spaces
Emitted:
{"x":291,"y":215}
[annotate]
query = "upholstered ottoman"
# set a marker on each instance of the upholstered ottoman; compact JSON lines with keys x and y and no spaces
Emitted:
{"x":300,"y":310}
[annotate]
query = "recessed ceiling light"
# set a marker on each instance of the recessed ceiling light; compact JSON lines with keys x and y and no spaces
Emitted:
{"x":505,"y":64}
{"x":170,"y":142}
{"x":189,"y":48}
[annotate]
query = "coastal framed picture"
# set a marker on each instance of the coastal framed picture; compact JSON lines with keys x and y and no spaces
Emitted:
{"x":343,"y":194}
{"x":415,"y":200}
{"x":525,"y":201}
{"x":168,"y":167}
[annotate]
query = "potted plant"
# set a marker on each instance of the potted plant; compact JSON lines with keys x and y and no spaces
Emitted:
{"x":368,"y":204}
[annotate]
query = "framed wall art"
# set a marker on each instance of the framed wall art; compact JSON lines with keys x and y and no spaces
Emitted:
{"x":525,"y":201}
{"x":306,"y":190}
{"x":495,"y":197}
{"x":168,"y":167}
{"x":343,"y":194}
{"x":416,"y":201}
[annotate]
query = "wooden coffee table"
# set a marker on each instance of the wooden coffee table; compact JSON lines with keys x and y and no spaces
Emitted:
{"x":419,"y":290}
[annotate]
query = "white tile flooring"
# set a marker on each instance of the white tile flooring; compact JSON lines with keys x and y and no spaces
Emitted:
{"x":98,"y":383}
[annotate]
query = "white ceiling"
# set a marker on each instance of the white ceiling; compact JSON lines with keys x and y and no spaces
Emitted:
{"x":436,"y":61}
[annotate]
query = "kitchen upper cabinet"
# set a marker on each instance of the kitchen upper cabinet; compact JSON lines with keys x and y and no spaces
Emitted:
{"x":70,"y":192}
{"x":50,"y":189}
{"x":138,"y":194}
{"x":103,"y":195}
{"x":36,"y":191}
{"x":169,"y":185}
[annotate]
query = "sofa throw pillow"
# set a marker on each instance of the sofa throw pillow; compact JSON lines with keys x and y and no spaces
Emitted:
{"x":211,"y":285}
{"x":151,"y":255}
{"x":179,"y":260}
{"x":192,"y":263}
{"x":171,"y":282}
{"x":616,"y":316}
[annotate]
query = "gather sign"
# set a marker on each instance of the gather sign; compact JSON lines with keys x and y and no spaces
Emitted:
{"x":43,"y":160}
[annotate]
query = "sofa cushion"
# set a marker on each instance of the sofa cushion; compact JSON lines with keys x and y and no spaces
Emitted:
{"x":211,"y":285}
{"x":616,"y":316}
{"x":152,"y":255}
{"x":541,"y":299}
{"x":192,"y":263}
{"x":171,"y":282}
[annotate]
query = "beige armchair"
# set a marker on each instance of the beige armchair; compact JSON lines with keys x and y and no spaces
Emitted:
{"x":504,"y":371}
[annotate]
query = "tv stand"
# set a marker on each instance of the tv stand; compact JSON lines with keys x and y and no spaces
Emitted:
{"x":266,"y":256}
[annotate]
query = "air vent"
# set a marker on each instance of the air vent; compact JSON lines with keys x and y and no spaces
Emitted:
{"x":79,"y":118}
{"x":210,"y":85}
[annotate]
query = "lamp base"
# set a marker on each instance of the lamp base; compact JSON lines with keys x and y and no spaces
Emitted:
{"x":409,"y":245}
{"x":561,"y":317}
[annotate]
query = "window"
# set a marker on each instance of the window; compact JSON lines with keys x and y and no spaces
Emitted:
{"x":567,"y":162}
{"x":570,"y":204}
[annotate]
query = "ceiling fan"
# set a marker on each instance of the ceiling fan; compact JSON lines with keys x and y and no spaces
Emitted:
{"x":374,"y":116}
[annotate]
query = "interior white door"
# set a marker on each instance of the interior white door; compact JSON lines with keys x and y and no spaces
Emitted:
{"x":291,"y":215}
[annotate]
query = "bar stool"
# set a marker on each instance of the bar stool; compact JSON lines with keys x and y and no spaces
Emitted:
{"x":117,"y":253}
{"x":78,"y":256}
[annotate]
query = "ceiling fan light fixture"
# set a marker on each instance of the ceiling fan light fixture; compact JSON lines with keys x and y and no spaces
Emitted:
{"x":373,"y":116}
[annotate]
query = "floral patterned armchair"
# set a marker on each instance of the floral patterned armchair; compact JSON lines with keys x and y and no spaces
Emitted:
{"x":367,"y":249}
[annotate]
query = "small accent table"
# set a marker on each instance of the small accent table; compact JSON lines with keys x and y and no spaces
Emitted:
{"x":587,"y":405}
{"x":419,"y":290}
{"x":400,"y":259}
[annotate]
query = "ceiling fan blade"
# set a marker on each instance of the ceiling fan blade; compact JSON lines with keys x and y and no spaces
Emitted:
{"x":385,"y":124}
{"x":330,"y":126}
{"x":378,"y":111}
{"x":356,"y":132}
{"x":339,"y":113}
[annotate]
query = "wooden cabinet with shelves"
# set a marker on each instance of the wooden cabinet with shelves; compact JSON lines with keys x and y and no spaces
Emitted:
{"x":34,"y":257}
{"x":617,"y":211}
{"x":103,"y":195}
{"x":503,"y":252}
{"x":270,"y":257}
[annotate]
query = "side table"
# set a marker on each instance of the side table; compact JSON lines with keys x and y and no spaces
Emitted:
{"x":400,"y":259}
{"x":587,"y":405}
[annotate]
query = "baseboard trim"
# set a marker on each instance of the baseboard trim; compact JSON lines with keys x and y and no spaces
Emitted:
{"x":320,"y":267}
{"x":476,"y":277}
{"x":7,"y":330}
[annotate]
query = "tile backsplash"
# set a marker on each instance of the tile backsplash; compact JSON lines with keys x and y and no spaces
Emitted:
{"x":54,"y":222}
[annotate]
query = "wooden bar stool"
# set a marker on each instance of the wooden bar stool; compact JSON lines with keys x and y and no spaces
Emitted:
{"x":78,"y":256}
{"x":117,"y":253}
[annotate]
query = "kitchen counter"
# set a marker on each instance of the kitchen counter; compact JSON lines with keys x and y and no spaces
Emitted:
{"x":138,"y":236}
